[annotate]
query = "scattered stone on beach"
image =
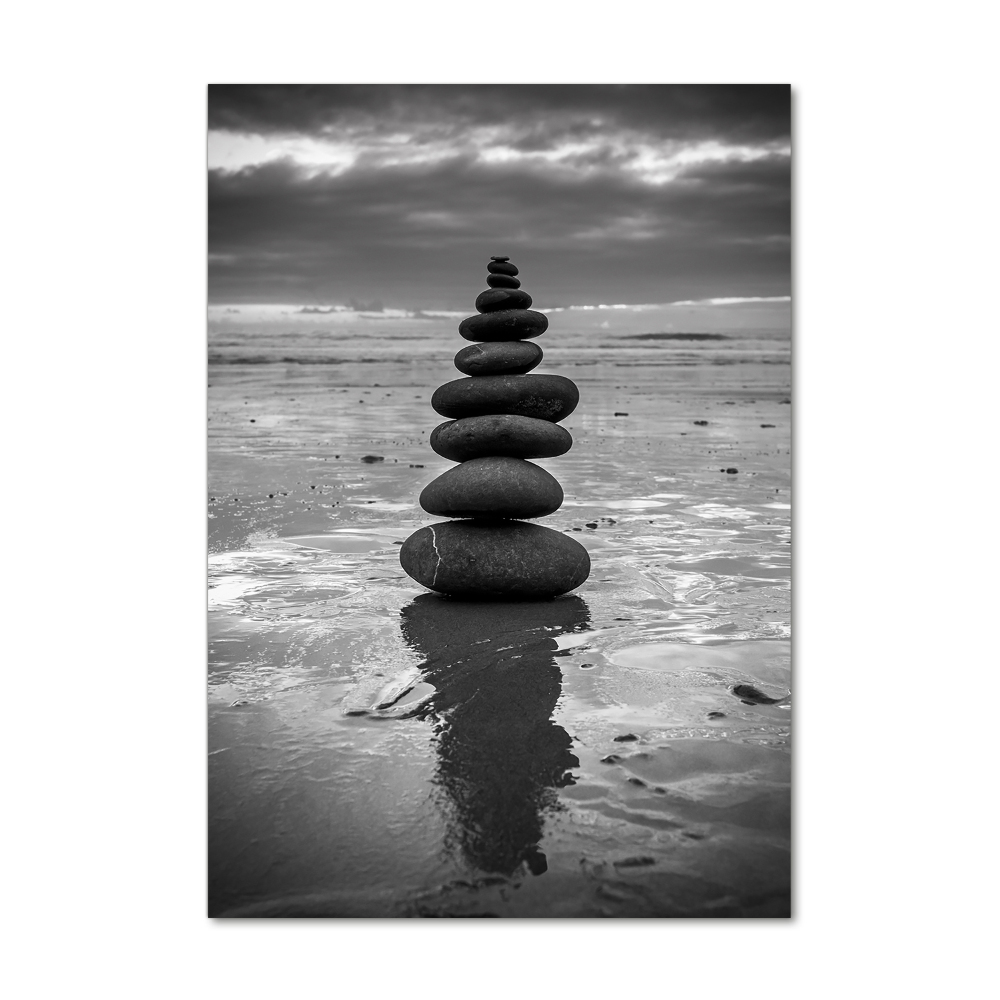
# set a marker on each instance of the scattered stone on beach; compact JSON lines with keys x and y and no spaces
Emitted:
{"x":494,"y":560}
{"x":371,"y":459}
{"x":502,"y":281}
{"x":634,"y":862}
{"x":716,"y":715}
{"x":627,"y":738}
{"x":732,"y":471}
{"x":493,"y":486}
{"x":749,"y":695}
{"x":612,"y":758}
{"x":500,"y":434}
{"x":767,"y":425}
{"x":502,"y":357}
{"x":495,"y":299}
{"x":505,"y":324}
{"x":501,"y":266}
{"x":700,"y":423}
{"x":547,"y":397}
{"x":591,"y":524}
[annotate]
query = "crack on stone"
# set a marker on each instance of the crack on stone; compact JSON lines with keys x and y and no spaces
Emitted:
{"x":437,"y":553}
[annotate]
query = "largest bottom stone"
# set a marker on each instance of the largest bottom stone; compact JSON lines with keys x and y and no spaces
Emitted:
{"x":494,"y":560}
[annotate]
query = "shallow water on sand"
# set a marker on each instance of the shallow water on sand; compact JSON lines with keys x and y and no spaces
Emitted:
{"x":375,"y":750}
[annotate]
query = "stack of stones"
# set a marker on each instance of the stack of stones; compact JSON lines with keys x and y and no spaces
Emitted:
{"x":501,"y":416}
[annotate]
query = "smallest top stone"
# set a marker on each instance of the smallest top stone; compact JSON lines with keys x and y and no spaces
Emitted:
{"x":501,"y":259}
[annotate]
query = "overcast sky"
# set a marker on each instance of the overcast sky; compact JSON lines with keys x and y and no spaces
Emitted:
{"x":600,"y":194}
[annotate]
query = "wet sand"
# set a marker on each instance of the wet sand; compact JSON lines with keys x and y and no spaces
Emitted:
{"x":379,"y":751}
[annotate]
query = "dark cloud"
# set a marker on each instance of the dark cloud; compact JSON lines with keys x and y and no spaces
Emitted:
{"x":588,"y":230}
{"x":741,"y":113}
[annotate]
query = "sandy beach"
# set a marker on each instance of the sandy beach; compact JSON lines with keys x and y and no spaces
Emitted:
{"x":377,"y":751}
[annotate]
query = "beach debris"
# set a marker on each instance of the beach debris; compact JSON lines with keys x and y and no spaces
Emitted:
{"x":500,"y":416}
{"x":701,"y":423}
{"x":620,"y":413}
{"x":371,"y":459}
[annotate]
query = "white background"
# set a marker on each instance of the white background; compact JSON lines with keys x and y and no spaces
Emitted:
{"x":895,"y":472}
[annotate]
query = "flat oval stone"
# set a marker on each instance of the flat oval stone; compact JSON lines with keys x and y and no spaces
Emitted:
{"x":495,"y":299}
{"x":508,"y":324}
{"x":493,"y":486}
{"x":502,"y":281}
{"x":502,"y":357}
{"x":500,"y":434}
{"x":494,"y":560}
{"x":501,"y":267}
{"x":547,"y":397}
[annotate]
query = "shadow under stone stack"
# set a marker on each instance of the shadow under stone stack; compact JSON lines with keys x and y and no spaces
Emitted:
{"x":501,"y":416}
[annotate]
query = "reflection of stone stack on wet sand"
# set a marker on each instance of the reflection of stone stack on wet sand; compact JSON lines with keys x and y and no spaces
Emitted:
{"x":501,"y":756}
{"x":501,"y":416}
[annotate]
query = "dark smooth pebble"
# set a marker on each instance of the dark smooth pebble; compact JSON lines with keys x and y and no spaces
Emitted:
{"x":499,"y":258}
{"x":748,"y":694}
{"x":500,"y":434}
{"x":732,"y":471}
{"x":627,"y":738}
{"x":701,"y":423}
{"x":502,"y":357}
{"x":501,"y":267}
{"x":502,"y":281}
{"x":494,"y":560}
{"x":498,"y":299}
{"x":547,"y":397}
{"x":507,"y":324}
{"x":494,"y":486}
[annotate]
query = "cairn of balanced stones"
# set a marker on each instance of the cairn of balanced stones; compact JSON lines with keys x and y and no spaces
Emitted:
{"x":500,"y":416}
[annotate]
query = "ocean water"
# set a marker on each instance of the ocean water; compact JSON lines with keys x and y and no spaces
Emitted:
{"x":375,"y":750}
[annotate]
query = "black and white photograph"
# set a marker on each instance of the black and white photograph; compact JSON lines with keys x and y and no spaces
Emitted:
{"x":499,"y":469}
{"x":404,"y":408}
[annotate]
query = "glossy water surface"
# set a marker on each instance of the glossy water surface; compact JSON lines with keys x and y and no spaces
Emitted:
{"x":375,"y":750}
